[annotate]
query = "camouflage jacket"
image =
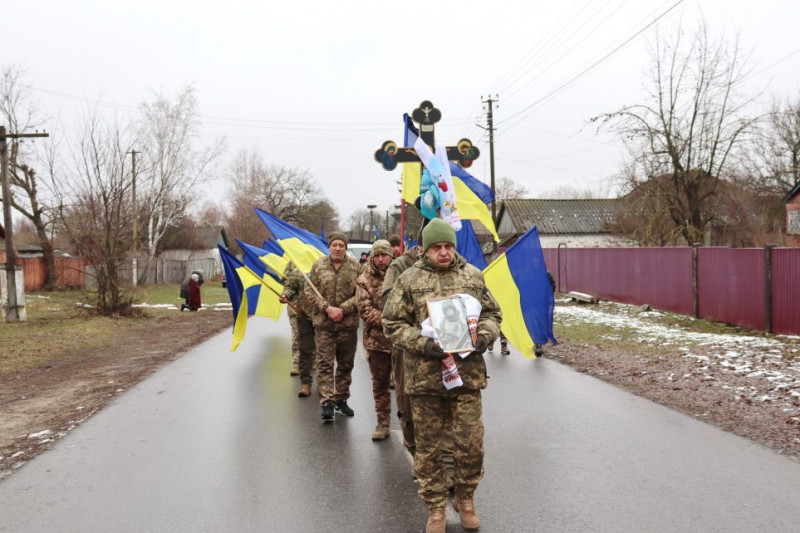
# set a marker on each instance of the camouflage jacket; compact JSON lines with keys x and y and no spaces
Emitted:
{"x":406,"y":308}
{"x":397,"y":267}
{"x":294,"y":290}
{"x":338,"y":288}
{"x":370,"y":306}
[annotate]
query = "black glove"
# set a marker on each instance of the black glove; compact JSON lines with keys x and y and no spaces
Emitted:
{"x":433,"y":350}
{"x":482,"y":344}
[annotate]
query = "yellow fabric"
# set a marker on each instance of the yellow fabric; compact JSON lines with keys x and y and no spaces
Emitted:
{"x":501,"y":284}
{"x":269,"y":304}
{"x":275,"y":263}
{"x":301,"y":254}
{"x":470,"y":207}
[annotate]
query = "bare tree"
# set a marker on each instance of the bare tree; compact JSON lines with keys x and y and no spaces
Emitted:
{"x":692,"y":121}
{"x":171,"y":164}
{"x":358,"y":224}
{"x":289,"y":194}
{"x":27,"y":197}
{"x":94,"y":211}
{"x":508,"y":189}
{"x":773,"y":156}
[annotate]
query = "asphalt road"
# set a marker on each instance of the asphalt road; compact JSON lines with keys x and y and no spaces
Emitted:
{"x":219,"y":442}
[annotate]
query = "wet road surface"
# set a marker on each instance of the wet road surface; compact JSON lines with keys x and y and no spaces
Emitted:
{"x":219,"y":442}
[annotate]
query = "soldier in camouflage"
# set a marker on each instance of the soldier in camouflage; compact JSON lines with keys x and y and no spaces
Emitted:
{"x":442,"y":272}
{"x":379,"y":356}
{"x":397,"y":267}
{"x":302,"y":326}
{"x":335,"y":317}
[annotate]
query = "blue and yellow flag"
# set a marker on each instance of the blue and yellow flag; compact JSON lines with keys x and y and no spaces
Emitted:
{"x":300,"y":246}
{"x":518,"y":281}
{"x":250,"y":294}
{"x":468,"y":246}
{"x":276,"y":264}
{"x":471,"y":198}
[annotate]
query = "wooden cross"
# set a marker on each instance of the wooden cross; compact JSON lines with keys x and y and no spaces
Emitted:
{"x":426,"y":115}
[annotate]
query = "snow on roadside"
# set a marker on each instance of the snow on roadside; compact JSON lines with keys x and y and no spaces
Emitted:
{"x":771,"y":364}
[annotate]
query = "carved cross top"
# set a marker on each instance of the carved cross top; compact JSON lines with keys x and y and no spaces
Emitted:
{"x":426,"y":115}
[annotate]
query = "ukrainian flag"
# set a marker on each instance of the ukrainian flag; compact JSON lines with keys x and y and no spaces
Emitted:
{"x":300,"y":246}
{"x":518,"y":281}
{"x":471,"y":194}
{"x":276,"y":264}
{"x":468,"y":246}
{"x":249,"y":294}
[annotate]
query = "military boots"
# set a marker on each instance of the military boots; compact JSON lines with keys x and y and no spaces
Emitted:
{"x":466,"y":508}
{"x":381,"y":432}
{"x":437,"y":521}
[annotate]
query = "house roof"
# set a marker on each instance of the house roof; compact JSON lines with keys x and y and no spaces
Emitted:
{"x":194,"y":238}
{"x":792,"y":193}
{"x":557,"y":216}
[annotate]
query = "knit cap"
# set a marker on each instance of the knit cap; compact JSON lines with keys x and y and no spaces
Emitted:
{"x":381,"y":246}
{"x":437,"y":230}
{"x":337,"y":236}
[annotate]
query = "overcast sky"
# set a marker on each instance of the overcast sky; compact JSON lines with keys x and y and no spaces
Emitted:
{"x":320,"y":85}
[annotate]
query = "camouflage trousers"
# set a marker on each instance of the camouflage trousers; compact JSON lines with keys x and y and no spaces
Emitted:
{"x":339,"y":348}
{"x":380,"y":366}
{"x":304,"y":328}
{"x":466,"y":418}
{"x":403,"y":401}
{"x":295,"y":342}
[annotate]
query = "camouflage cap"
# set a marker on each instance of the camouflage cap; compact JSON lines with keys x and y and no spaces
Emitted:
{"x":381,"y":246}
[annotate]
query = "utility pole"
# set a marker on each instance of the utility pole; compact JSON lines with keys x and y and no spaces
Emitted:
{"x":135,"y":251}
{"x":12,"y":313}
{"x":490,"y":127}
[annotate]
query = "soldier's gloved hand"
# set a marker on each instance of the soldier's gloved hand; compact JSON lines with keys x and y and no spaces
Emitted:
{"x":482,"y":344}
{"x":433,"y":350}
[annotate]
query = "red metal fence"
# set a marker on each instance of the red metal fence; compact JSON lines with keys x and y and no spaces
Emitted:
{"x":752,"y":288}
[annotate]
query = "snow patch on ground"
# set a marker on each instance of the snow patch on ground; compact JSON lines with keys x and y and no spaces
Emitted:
{"x":766,"y":361}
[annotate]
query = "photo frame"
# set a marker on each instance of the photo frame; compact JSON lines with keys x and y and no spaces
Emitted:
{"x":449,"y":319}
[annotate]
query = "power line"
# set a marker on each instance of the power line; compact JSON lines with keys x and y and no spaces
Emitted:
{"x":588,"y":69}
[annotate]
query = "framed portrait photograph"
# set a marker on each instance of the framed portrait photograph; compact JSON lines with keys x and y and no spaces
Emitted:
{"x":449,"y":318}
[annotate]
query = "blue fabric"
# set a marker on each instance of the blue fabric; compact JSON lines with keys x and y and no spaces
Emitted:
{"x":528,"y":270}
{"x":273,"y":247}
{"x":232,"y":281}
{"x":468,"y":247}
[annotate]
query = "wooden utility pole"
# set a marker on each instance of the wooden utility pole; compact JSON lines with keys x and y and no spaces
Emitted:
{"x":490,"y":127}
{"x":135,"y":251}
{"x":12,"y":312}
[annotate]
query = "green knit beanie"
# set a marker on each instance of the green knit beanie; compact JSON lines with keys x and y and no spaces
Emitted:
{"x":337,"y":236}
{"x":437,"y":230}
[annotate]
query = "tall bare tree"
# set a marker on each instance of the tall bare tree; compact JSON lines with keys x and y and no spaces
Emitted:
{"x":172,"y":164}
{"x":691,"y":122}
{"x":30,"y":195}
{"x":290,"y":194}
{"x":773,"y":157}
{"x":94,"y":209}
